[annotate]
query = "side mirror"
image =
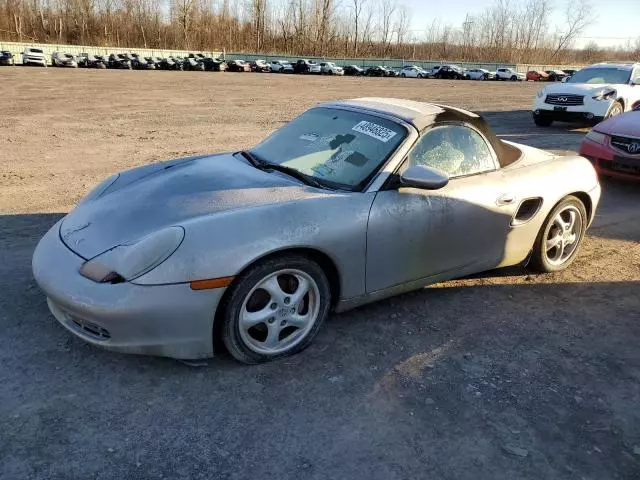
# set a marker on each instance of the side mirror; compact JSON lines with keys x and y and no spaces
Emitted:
{"x":635,"y":81}
{"x":423,"y":177}
{"x":564,"y":79}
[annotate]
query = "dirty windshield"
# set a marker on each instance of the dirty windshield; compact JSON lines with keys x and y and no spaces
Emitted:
{"x":335,"y":146}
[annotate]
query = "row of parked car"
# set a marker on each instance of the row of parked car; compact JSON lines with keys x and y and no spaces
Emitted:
{"x":201,"y":62}
{"x":549,"y":75}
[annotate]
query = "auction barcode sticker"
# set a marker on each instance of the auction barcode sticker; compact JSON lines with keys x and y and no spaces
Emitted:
{"x":374,"y":130}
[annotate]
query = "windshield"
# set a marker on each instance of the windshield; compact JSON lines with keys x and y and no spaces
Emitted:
{"x":35,"y":50}
{"x":601,"y":75}
{"x":336,"y":147}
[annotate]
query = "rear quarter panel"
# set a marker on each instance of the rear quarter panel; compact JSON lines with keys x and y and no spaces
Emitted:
{"x":550,"y":178}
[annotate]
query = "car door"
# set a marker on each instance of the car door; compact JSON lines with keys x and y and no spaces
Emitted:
{"x":416,"y":234}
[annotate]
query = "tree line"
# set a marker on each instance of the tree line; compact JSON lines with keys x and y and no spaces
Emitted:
{"x":514,"y":31}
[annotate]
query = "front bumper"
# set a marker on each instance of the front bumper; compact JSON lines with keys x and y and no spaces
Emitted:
{"x":26,"y":60}
{"x":608,"y":162}
{"x":163,"y":320}
{"x":593,"y":111}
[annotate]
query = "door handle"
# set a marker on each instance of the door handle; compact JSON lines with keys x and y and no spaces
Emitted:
{"x":506,"y":199}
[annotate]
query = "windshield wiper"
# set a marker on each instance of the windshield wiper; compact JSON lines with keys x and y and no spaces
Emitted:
{"x":253,"y":160}
{"x":292,"y":172}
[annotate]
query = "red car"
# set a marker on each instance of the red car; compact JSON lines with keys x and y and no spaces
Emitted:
{"x":613,"y":146}
{"x":537,"y":76}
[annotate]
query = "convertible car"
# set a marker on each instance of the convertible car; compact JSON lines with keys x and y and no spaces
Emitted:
{"x":350,"y":202}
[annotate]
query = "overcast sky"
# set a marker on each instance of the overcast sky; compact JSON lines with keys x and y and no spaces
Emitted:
{"x":616,"y":20}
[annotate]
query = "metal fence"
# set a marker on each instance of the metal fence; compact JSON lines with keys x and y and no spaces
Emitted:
{"x":48,"y":48}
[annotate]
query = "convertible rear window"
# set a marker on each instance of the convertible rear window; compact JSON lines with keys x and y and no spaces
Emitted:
{"x":340,"y":147}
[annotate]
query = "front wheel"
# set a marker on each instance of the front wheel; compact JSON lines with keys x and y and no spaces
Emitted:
{"x":542,"y":121}
{"x":275,"y":309}
{"x":615,"y":110}
{"x":560,"y":236}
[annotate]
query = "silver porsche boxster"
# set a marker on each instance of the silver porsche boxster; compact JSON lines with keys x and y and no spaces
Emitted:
{"x":350,"y":202}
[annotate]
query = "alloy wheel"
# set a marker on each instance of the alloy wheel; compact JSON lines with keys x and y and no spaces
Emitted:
{"x":616,"y":109}
{"x":564,"y":235}
{"x":279,"y":311}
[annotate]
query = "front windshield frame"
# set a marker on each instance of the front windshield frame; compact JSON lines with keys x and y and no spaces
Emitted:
{"x":409,"y":135}
{"x":579,"y":75}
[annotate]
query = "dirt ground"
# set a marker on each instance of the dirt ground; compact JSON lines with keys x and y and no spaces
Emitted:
{"x":502,"y":376}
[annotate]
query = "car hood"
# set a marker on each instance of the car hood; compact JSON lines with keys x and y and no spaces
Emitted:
{"x":577,"y":88}
{"x":145,"y":199}
{"x":626,"y":125}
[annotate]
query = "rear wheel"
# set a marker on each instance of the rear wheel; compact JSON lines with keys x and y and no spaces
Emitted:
{"x":275,"y":309}
{"x":560,"y":236}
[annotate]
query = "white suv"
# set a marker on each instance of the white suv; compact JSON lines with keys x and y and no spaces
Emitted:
{"x":592,"y":94}
{"x":281,"y":66}
{"x":33,"y":56}
{"x":331,"y":68}
{"x":509,"y":74}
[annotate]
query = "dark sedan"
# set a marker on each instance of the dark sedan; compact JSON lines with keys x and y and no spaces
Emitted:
{"x":353,"y":70}
{"x":377,"y":71}
{"x":238,"y":66}
{"x":450,"y":72}
{"x":260,"y":66}
{"x":6,"y":58}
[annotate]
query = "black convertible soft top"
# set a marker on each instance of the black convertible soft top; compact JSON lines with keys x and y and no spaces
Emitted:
{"x":507,"y":154}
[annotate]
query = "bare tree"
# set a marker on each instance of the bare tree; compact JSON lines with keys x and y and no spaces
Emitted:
{"x":579,"y":15}
{"x":358,"y":6}
{"x":258,"y":20}
{"x":509,"y":31}
{"x":386,"y":12}
{"x":401,"y":26}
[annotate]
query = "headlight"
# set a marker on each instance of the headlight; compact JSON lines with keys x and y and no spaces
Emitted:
{"x":540,"y":93}
{"x":597,"y":137}
{"x":605,"y":94}
{"x":130,"y":261}
{"x":100,"y":189}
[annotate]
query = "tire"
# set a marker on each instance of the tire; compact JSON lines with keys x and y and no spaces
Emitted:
{"x":420,"y":76}
{"x":565,"y":251}
{"x":483,"y":77}
{"x":542,"y":121}
{"x":251,"y":344}
{"x":513,"y":78}
{"x":616,"y":109}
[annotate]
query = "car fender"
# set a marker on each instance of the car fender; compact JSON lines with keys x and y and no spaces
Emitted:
{"x":225,"y":243}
